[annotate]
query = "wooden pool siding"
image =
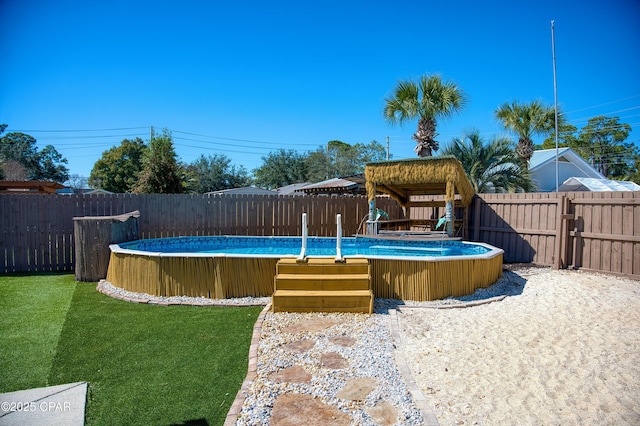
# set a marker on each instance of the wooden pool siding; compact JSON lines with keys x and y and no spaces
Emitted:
{"x":227,"y":277}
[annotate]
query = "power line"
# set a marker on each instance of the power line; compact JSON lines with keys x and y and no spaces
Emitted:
{"x":606,"y":113}
{"x":87,"y":137}
{"x":85,"y":130}
{"x":604,"y":104}
{"x":240,"y":140}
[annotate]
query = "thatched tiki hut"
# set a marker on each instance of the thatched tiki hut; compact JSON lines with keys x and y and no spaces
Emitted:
{"x":404,"y":180}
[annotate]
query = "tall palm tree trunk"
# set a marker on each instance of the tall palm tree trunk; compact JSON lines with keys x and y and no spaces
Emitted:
{"x":524,"y":150}
{"x":425,"y":137}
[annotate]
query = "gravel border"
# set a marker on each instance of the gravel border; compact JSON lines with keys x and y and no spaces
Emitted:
{"x":105,"y":287}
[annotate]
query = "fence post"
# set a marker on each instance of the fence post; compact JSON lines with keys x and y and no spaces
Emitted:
{"x":476,"y":217}
{"x":557,"y":264}
{"x":567,"y":218}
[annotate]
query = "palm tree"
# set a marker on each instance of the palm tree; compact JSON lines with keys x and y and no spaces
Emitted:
{"x":491,"y":168}
{"x":526,"y":120}
{"x":428,"y":99}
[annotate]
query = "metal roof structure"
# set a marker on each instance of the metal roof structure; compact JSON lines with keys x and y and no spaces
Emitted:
{"x":597,"y":185}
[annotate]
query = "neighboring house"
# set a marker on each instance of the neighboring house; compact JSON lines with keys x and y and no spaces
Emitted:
{"x":82,"y":191}
{"x":597,"y":185}
{"x":247,"y":190}
{"x":353,"y":185}
{"x":293,"y":189}
{"x":543,"y":168}
{"x":96,"y":191}
{"x":29,"y":187}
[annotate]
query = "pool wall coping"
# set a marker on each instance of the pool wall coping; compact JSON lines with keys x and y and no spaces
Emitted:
{"x":493,"y":252}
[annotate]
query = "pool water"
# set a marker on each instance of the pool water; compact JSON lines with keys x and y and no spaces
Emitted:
{"x":316,"y":246}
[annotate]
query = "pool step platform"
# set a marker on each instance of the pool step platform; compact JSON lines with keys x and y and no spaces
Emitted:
{"x":323,"y":285}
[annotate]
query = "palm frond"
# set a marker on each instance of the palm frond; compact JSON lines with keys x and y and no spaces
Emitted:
{"x":492,"y":167}
{"x":426,"y":100}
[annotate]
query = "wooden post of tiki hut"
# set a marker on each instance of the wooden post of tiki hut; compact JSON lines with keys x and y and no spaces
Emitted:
{"x":404,"y":180}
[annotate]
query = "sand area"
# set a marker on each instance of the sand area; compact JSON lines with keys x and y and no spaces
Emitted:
{"x":562,"y":349}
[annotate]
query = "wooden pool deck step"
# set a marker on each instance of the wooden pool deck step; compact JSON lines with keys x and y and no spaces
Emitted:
{"x":323,"y":285}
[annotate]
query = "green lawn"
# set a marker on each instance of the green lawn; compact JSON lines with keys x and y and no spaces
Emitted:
{"x":145,"y":364}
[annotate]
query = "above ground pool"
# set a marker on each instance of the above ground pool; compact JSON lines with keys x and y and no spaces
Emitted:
{"x":316,"y":246}
{"x":231,"y":266}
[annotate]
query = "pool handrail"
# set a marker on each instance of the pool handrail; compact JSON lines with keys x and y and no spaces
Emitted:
{"x":339,"y":257}
{"x":305,"y":235}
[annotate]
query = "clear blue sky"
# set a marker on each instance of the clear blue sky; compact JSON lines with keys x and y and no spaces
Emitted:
{"x":251,"y":77}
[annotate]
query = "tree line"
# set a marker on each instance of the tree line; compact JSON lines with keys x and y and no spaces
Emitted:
{"x":499,"y":164}
{"x":136,"y":167}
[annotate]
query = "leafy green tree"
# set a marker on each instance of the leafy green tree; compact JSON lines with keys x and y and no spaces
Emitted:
{"x":320,"y":166}
{"x":51,"y":166}
{"x":215,"y":173}
{"x":428,"y":99}
{"x":45,"y":164}
{"x":527,"y":121}
{"x":602,"y":143}
{"x":161,"y":173}
{"x":3,"y":127}
{"x":492,"y":167}
{"x":634,"y":176}
{"x":340,"y":159}
{"x":118,"y":168}
{"x":566,"y":137}
{"x":281,"y":168}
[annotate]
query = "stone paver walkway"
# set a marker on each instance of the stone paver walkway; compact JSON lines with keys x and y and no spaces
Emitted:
{"x":292,"y":408}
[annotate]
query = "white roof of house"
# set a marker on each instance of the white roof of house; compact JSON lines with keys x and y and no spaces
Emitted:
{"x":542,"y":157}
{"x":599,"y":185}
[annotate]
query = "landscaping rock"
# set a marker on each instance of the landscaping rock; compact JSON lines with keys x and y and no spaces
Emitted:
{"x":300,"y":346}
{"x":293,"y":374}
{"x":383,"y":414}
{"x":333,"y":360}
{"x":293,"y":409}
{"x":357,"y":389}
{"x":344,"y":341}
{"x":311,"y":325}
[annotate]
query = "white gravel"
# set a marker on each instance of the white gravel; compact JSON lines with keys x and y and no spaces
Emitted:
{"x":371,"y":356}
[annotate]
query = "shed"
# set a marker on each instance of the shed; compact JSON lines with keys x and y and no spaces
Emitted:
{"x":406,"y":180}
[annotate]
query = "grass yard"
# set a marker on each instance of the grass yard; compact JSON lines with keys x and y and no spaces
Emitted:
{"x":145,"y":364}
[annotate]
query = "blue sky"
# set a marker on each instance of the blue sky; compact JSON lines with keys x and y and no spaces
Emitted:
{"x":251,"y":77}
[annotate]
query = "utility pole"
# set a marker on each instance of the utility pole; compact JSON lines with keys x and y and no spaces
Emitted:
{"x":151,"y":134}
{"x":387,"y":148}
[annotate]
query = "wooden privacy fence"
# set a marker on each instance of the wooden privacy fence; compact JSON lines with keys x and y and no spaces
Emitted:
{"x":591,"y":231}
{"x":37,"y":232}
{"x":595,"y":231}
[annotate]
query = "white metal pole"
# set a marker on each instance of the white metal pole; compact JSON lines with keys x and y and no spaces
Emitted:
{"x":339,"y":257}
{"x":305,"y":233}
{"x":555,"y":95}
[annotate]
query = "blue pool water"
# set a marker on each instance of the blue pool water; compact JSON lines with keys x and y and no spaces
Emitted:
{"x":316,"y":246}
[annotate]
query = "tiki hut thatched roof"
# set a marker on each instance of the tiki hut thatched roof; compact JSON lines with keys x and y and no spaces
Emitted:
{"x":420,"y":176}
